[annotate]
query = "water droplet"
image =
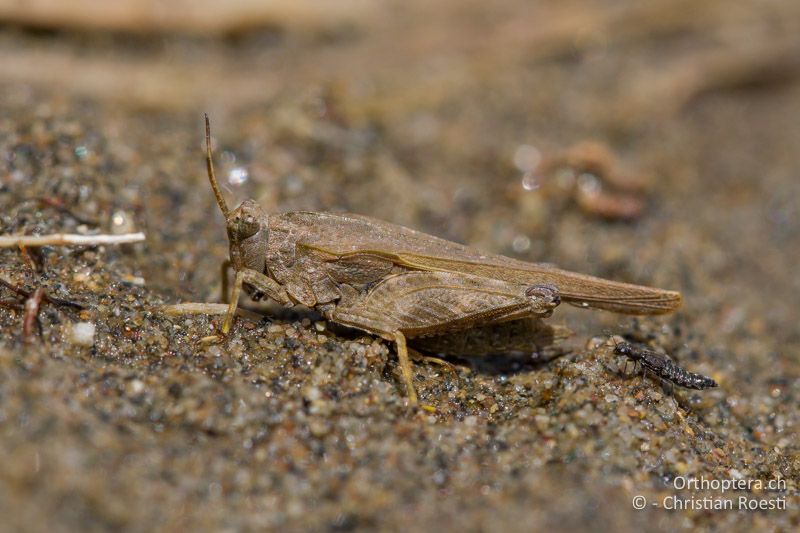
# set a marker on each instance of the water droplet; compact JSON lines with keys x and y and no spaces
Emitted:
{"x":588,"y":183}
{"x":238,"y":176}
{"x":293,"y":184}
{"x":227,"y":157}
{"x":527,"y":157}
{"x":530,"y":181}
{"x":521,"y":243}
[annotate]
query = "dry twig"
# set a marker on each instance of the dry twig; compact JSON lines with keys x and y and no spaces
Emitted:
{"x":66,"y":239}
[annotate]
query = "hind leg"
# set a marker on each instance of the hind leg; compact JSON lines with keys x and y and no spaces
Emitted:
{"x":418,"y":304}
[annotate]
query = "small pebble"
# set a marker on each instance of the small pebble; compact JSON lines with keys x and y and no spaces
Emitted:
{"x":318,"y":428}
{"x":136,"y":386}
{"x":312,"y":394}
{"x":542,"y":422}
{"x":133,"y":280}
{"x":121,"y":222}
{"x":82,"y":334}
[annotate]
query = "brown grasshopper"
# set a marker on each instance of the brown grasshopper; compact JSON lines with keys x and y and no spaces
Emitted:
{"x":399,"y":283}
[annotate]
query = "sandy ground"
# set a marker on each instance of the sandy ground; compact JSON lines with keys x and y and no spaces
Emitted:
{"x":464,"y":121}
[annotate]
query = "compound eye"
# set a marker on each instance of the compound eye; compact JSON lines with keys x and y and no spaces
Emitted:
{"x":243,"y":226}
{"x":248,"y":226}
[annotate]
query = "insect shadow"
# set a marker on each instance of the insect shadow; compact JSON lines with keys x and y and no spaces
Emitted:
{"x":501,"y":364}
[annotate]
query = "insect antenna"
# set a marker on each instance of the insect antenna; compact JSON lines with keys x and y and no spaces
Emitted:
{"x":597,"y":349}
{"x":611,"y":336}
{"x":211,"y":175}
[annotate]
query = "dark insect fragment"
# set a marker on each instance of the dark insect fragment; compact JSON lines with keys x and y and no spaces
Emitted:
{"x":31,"y":306}
{"x":660,"y":365}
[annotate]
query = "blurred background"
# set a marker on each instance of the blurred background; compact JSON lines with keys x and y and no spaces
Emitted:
{"x":649,"y":141}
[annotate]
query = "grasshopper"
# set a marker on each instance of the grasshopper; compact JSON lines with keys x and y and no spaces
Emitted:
{"x":398,"y":283}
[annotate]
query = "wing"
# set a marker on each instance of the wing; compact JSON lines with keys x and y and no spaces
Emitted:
{"x":343,"y":235}
{"x":421,"y":304}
